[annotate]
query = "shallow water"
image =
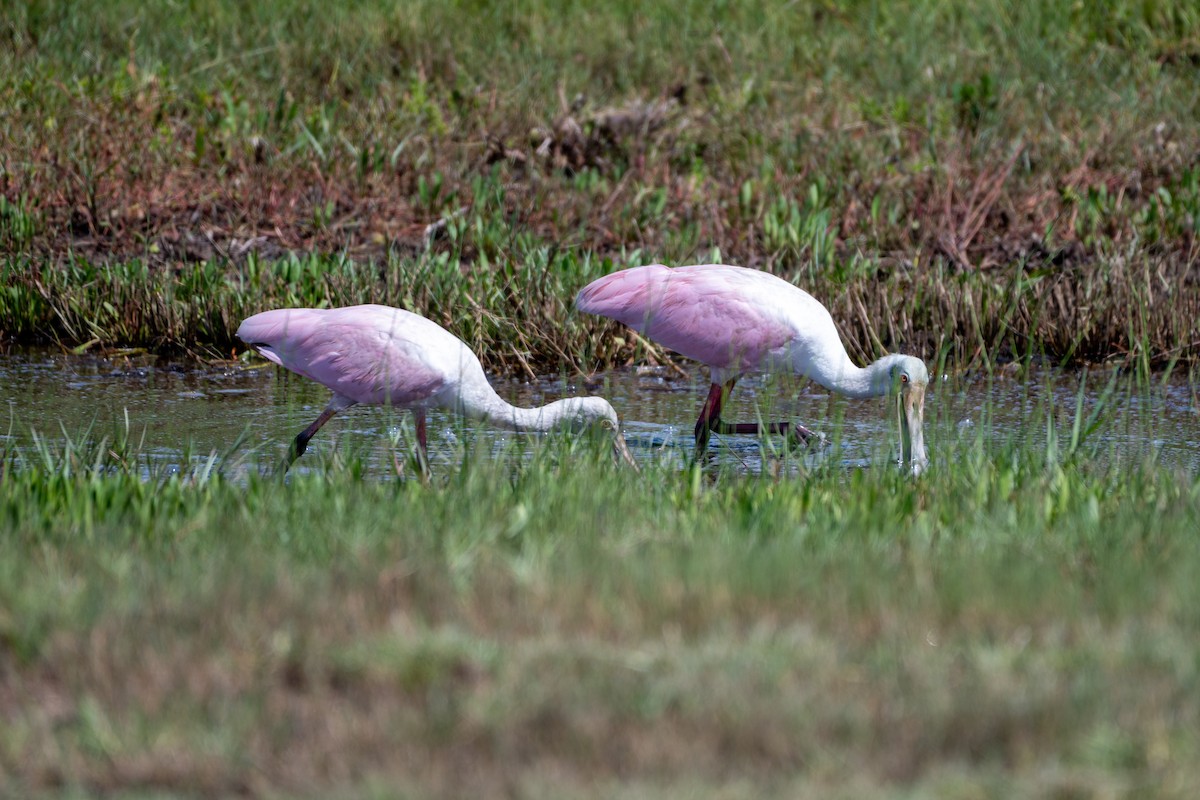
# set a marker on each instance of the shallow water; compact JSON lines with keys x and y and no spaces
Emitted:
{"x":184,"y":410}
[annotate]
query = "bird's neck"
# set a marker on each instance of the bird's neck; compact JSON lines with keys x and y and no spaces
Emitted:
{"x":502,"y":414}
{"x":860,"y":382}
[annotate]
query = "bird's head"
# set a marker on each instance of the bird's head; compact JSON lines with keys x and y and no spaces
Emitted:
{"x":582,"y":413}
{"x":907,"y":380}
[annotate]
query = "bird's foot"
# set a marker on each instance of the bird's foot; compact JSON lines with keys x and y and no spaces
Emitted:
{"x":801,"y":438}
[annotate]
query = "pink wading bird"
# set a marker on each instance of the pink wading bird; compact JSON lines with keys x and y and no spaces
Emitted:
{"x":376,"y":355}
{"x":739,"y":320}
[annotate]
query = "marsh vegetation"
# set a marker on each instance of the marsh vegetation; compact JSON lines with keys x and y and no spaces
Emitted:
{"x":1027,"y":185}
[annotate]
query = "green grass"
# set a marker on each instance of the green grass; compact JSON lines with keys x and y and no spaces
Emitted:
{"x":1020,"y":620}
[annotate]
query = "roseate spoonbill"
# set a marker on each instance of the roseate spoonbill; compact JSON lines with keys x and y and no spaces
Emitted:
{"x":377,"y":355}
{"x":739,"y":320}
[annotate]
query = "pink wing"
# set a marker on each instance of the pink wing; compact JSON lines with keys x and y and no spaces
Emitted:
{"x":707,"y":313}
{"x":370,"y":354}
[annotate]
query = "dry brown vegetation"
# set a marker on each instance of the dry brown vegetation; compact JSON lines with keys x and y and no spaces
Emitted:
{"x":972,"y":207}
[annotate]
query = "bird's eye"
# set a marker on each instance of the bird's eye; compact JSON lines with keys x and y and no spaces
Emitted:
{"x":903,"y":377}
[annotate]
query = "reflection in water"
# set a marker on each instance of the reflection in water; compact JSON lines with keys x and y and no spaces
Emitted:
{"x":173,"y":405}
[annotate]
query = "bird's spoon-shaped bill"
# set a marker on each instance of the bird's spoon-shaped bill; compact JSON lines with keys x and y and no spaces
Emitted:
{"x":912,"y":428}
{"x":621,"y":451}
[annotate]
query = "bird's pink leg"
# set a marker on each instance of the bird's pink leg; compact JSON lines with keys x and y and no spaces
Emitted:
{"x":336,"y":403}
{"x":301,"y":444}
{"x":422,"y":442}
{"x":710,"y":414}
{"x":710,"y":421}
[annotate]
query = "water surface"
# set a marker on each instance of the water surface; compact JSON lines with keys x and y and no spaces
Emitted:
{"x":186,"y":410}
